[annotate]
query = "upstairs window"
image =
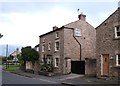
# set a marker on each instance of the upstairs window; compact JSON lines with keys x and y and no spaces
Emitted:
{"x":77,"y":32}
{"x":49,"y":46}
{"x":43,"y":39}
{"x":57,"y":35}
{"x":118,"y":60}
{"x":117,"y":31}
{"x":43,"y":48}
{"x":57,"y":46}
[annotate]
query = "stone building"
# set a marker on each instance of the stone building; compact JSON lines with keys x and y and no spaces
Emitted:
{"x":69,"y":45}
{"x":108,"y":46}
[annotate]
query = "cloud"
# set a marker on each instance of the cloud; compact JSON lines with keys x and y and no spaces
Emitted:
{"x":25,"y":28}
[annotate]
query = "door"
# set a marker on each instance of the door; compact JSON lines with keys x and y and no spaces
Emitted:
{"x":78,"y":67}
{"x":105,"y":64}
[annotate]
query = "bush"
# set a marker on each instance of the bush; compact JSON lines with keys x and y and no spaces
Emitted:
{"x":47,"y":67}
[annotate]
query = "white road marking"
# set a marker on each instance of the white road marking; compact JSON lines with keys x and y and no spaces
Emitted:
{"x":71,"y":77}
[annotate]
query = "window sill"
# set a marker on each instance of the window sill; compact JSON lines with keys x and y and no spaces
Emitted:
{"x":117,"y":66}
{"x":57,"y":67}
{"x":56,"y":50}
{"x":118,"y":38}
{"x":56,"y":38}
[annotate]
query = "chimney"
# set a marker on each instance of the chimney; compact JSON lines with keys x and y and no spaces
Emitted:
{"x":82,"y":17}
{"x":55,"y":27}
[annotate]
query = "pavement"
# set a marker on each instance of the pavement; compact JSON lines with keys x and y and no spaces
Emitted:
{"x":70,"y":79}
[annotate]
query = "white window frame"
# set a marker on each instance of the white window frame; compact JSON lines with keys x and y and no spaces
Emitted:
{"x":116,"y":32}
{"x":56,"y":46}
{"x":48,"y":60}
{"x":77,"y":32}
{"x":43,"y":39}
{"x":43,"y":48}
{"x":56,"y":63}
{"x":57,"y":35}
{"x":117,"y":64}
{"x":49,"y":46}
{"x":37,"y":49}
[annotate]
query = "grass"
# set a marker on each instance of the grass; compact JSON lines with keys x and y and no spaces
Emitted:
{"x":12,"y":67}
{"x":0,"y":62}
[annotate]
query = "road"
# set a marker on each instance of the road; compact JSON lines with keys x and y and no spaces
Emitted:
{"x":9,"y":78}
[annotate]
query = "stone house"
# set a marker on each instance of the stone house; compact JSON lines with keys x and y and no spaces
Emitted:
{"x":14,"y":55}
{"x":108,"y":46}
{"x":69,"y":45}
{"x":37,"y":47}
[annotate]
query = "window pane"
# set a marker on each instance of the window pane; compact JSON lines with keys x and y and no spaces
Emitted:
{"x":77,"y":32}
{"x":118,"y":33}
{"x":118,"y":28}
{"x":57,"y":46}
{"x":56,"y":62}
{"x":119,"y":59}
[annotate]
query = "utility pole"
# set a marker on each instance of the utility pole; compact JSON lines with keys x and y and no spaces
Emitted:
{"x":7,"y":64}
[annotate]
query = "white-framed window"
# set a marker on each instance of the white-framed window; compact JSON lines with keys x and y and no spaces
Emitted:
{"x":49,"y":46}
{"x":118,"y":60}
{"x":117,"y":31}
{"x":57,"y":46}
{"x":37,"y":49}
{"x":57,"y":35}
{"x":43,"y":48}
{"x":56,"y":62}
{"x":43,"y":39}
{"x":48,"y":60}
{"x":77,"y":32}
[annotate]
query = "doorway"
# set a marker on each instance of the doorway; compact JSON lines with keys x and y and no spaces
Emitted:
{"x":105,"y":65}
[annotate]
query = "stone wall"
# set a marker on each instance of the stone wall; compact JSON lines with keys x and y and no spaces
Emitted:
{"x":107,"y":44}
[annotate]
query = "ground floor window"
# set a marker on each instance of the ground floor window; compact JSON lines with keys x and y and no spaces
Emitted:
{"x":56,"y":62}
{"x":118,"y":60}
{"x":48,"y":60}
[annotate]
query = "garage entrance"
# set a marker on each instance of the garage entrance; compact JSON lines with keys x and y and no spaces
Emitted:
{"x":78,"y":67}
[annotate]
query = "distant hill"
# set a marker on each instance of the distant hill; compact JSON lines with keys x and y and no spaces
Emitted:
{"x":11,"y":49}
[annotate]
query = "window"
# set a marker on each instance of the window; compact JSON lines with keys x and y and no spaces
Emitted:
{"x":57,"y":35}
{"x":118,"y":60}
{"x":117,"y":31}
{"x":57,"y":46}
{"x":43,"y":39}
{"x":43,"y":48}
{"x":56,"y":62}
{"x":37,"y":49}
{"x":48,"y":60}
{"x":49,"y":46}
{"x":77,"y":32}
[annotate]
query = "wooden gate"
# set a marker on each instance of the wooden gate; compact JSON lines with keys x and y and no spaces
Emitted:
{"x":78,"y":67}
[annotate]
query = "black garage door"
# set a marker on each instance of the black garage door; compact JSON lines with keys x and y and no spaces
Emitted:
{"x":78,"y":67}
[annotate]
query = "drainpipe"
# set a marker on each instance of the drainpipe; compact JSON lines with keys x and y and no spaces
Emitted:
{"x":79,"y":45}
{"x":74,"y":38}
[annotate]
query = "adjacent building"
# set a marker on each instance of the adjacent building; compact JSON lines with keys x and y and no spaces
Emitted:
{"x":108,"y":46}
{"x":69,"y":45}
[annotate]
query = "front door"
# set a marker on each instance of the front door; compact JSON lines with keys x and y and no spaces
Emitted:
{"x":105,"y":64}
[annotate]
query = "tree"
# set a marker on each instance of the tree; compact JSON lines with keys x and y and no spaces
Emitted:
{"x":29,"y":54}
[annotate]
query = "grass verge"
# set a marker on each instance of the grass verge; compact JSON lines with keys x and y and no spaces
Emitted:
{"x":11,"y":67}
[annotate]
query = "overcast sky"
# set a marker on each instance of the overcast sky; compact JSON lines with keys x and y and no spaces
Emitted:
{"x":23,"y":21}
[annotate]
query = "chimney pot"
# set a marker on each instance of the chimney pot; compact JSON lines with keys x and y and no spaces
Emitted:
{"x":82,"y":17}
{"x":55,"y":27}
